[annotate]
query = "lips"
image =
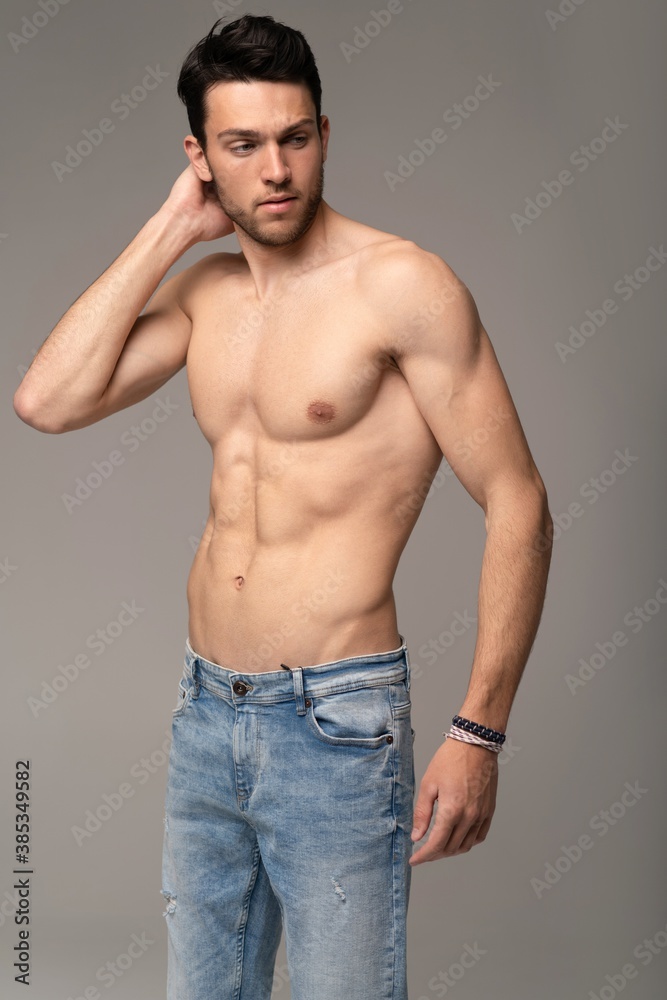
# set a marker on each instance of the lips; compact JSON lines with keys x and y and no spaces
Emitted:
{"x":274,"y":201}
{"x":278,"y":208}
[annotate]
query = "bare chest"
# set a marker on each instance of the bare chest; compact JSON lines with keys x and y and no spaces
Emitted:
{"x":308,"y":364}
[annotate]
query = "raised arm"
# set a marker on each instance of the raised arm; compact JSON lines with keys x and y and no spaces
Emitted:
{"x":102,"y":355}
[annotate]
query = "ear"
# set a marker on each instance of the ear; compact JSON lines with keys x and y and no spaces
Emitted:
{"x":325,"y":126}
{"x":197,"y":158}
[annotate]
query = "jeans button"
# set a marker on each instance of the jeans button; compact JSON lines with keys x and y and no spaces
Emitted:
{"x":240,"y":687}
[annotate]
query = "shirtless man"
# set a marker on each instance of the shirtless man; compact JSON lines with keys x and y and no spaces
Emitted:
{"x":330,"y":366}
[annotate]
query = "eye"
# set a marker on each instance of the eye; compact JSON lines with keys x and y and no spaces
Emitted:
{"x":244,"y":147}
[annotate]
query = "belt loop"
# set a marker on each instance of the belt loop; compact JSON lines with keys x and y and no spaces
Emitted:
{"x":407,"y":662}
{"x":191,"y":671}
{"x":297,"y":675}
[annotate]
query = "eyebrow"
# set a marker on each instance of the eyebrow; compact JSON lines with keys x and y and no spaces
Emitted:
{"x":251,"y":133}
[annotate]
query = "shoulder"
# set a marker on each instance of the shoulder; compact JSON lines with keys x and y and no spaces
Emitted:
{"x":212,"y":267}
{"x":418,"y":294}
{"x":405,"y":271}
{"x":194,"y":281}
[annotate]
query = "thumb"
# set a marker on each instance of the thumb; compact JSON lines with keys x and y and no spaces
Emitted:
{"x":423,"y":812}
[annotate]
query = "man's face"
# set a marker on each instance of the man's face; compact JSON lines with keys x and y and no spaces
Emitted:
{"x":270,"y":147}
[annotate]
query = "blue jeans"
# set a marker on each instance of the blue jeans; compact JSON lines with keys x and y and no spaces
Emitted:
{"x":289,"y":805}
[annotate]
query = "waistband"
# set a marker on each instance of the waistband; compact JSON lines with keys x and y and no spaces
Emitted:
{"x":365,"y":670}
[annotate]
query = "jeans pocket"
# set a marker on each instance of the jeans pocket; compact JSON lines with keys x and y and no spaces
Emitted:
{"x":184,"y":695}
{"x":360,"y":718}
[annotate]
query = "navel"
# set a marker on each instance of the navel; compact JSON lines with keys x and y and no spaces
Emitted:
{"x":321,"y":412}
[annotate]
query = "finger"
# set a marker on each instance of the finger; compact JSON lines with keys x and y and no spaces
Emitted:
{"x":448,"y":841}
{"x":470,"y":839}
{"x":459,"y":833}
{"x":434,"y":846}
{"x":423,"y":812}
{"x":483,"y":830}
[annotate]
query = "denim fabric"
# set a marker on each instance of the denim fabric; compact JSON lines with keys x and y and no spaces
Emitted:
{"x":289,"y":807}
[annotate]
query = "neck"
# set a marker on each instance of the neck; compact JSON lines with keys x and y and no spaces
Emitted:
{"x":269,"y":265}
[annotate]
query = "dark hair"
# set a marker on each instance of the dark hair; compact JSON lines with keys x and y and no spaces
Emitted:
{"x":250,"y":48}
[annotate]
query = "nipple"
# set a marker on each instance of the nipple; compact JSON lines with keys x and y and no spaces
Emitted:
{"x":321,"y":412}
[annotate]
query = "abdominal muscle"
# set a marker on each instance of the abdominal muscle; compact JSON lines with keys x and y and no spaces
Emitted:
{"x":290,"y":570}
{"x":303,"y":602}
{"x":297,"y":559}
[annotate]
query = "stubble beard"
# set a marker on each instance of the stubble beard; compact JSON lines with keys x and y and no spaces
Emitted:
{"x":269,"y":234}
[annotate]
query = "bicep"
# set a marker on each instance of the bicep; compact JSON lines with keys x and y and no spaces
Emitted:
{"x":457,"y":384}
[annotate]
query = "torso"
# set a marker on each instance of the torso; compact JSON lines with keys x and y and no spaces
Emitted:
{"x":321,"y":463}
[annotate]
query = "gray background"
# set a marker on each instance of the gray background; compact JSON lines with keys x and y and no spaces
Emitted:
{"x":67,"y":574}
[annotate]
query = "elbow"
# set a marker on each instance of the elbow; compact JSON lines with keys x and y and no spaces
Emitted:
{"x":30,"y":413}
{"x":532,"y":505}
{"x":526,"y":509}
{"x":541,"y":503}
{"x":544,"y":530}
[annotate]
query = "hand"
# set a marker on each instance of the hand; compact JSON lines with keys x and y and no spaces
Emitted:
{"x":463,"y":778}
{"x":196,"y":203}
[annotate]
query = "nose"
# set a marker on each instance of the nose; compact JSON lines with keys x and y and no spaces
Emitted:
{"x":274,"y":168}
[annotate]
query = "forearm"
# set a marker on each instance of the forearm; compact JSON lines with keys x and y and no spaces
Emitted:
{"x":76,"y":361}
{"x":512,"y":589}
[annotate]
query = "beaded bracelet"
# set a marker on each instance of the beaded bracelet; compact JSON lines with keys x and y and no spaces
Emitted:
{"x":473,"y":732}
{"x":475,"y":727}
